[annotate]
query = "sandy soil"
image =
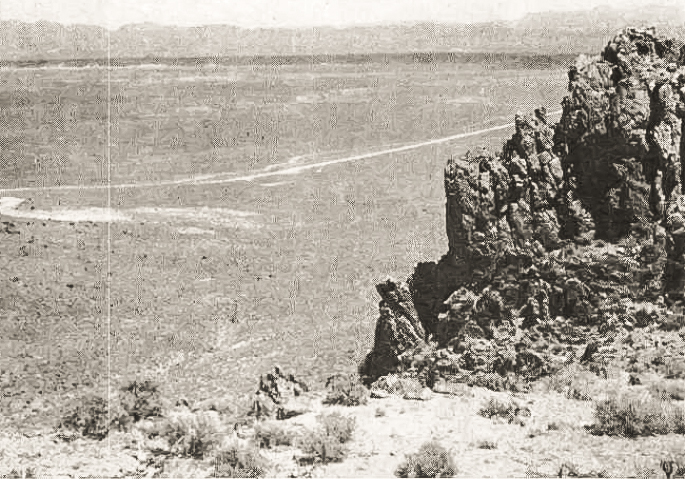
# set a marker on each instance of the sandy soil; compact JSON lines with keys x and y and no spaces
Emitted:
{"x":386,"y":431}
{"x":10,"y":206}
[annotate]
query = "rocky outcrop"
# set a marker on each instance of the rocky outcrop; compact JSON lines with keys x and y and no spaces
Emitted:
{"x":557,"y":235}
{"x":279,"y":396}
{"x":509,"y":201}
{"x":398,"y":329}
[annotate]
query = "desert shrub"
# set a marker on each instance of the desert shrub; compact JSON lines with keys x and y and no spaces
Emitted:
{"x":633,"y":418}
{"x":380,"y":412}
{"x":667,"y":390}
{"x":320,"y":447}
{"x":432,"y":460}
{"x":338,"y":426}
{"x":579,"y":391}
{"x":236,"y":461}
{"x":508,"y":411}
{"x":486,"y":445}
{"x":90,"y":417}
{"x":576,"y":383}
{"x":271,"y":434}
{"x":561,"y":380}
{"x":141,"y":399}
{"x":328,"y":442}
{"x":191,"y":434}
{"x":496,"y":408}
{"x":346,"y":390}
{"x":28,"y":473}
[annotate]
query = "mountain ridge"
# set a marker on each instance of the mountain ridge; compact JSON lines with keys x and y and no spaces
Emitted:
{"x":548,"y":33}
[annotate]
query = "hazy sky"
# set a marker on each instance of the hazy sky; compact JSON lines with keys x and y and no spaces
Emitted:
{"x":288,"y":13}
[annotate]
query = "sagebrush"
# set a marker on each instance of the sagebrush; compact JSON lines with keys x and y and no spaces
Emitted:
{"x":141,"y":399}
{"x":633,"y":418}
{"x":328,"y":442}
{"x":270,"y":434}
{"x":506,"y":410}
{"x":236,"y":461}
{"x":346,"y":390}
{"x":431,"y":460}
{"x":90,"y":417}
{"x":192,"y":434}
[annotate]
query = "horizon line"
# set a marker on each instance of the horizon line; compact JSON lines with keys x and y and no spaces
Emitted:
{"x":418,"y":22}
{"x":265,"y":27}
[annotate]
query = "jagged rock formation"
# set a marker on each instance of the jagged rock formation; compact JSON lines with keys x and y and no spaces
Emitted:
{"x":398,"y":329}
{"x":279,"y":395}
{"x":560,"y":235}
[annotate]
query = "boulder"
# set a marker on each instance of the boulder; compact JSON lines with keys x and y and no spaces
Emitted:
{"x":398,"y":329}
{"x":280,"y":396}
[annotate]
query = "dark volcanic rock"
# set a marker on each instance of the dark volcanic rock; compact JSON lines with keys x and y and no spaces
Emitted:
{"x":557,"y":235}
{"x":278,"y":396}
{"x":398,"y":329}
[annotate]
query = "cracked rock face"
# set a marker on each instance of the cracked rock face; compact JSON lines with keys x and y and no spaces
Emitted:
{"x":398,"y":330}
{"x":558,"y":230}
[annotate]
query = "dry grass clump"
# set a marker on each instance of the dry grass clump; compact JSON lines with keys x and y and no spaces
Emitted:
{"x":237,"y":461}
{"x":141,"y":399}
{"x":580,"y":383}
{"x":346,"y":390}
{"x":328,"y":442}
{"x":338,"y":426}
{"x":93,"y":416}
{"x":506,"y":410}
{"x":486,"y":444}
{"x":191,"y":434}
{"x":633,"y":418}
{"x":90,"y":417}
{"x":270,"y":434}
{"x":431,"y":460}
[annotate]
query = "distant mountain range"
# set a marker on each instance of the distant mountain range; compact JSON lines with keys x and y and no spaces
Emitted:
{"x":548,"y":33}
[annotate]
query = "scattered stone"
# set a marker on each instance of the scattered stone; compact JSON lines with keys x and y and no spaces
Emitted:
{"x":379,"y":393}
{"x":280,"y":396}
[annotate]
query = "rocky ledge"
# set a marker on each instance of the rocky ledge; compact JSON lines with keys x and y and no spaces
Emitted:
{"x":572,"y":232}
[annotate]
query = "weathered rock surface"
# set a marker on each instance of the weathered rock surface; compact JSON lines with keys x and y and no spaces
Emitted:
{"x":398,"y":329}
{"x":558,"y":237}
{"x":280,"y":396}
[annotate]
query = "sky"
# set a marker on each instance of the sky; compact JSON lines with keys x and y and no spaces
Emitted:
{"x":287,"y":13}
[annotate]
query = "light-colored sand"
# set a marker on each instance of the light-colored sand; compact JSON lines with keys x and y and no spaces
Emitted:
{"x":9,"y":206}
